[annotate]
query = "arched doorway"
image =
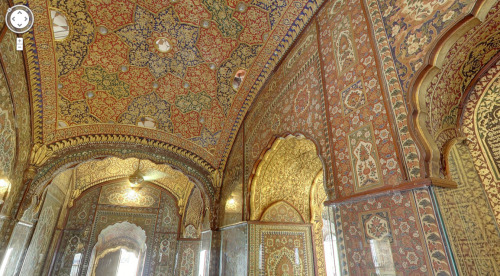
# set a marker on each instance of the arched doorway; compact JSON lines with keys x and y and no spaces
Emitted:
{"x":286,"y":206}
{"x":120,"y":250}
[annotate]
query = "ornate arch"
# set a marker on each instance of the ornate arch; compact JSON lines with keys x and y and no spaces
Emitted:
{"x":440,"y":87}
{"x":59,"y":160}
{"x":276,"y":167}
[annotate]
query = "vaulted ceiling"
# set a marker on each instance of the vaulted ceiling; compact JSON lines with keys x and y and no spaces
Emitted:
{"x":163,"y":70}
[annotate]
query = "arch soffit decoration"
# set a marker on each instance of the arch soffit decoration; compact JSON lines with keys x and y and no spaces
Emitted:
{"x":70,"y":159}
{"x":95,"y":172}
{"x":193,"y":197}
{"x":267,"y":157}
{"x":317,"y":196}
{"x":437,"y":64}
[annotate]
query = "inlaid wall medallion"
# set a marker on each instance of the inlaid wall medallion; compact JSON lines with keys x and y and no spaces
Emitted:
{"x":376,"y":226}
{"x":353,"y":97}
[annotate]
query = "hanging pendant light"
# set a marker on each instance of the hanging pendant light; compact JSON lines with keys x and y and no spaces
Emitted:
{"x":136,"y":178}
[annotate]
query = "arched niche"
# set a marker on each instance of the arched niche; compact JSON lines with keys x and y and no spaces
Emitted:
{"x":286,"y":195}
{"x":90,"y":228}
{"x":453,"y":113}
{"x":438,"y":92}
{"x":112,"y":242}
{"x":286,"y":172}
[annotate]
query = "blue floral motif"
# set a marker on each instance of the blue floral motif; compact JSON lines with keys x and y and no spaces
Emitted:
{"x":166,"y":23}
{"x":206,"y":138}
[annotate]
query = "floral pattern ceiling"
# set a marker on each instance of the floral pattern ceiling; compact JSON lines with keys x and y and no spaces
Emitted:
{"x":163,"y":70}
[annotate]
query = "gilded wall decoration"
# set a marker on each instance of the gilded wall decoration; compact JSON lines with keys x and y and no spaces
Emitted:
{"x":487,"y":121}
{"x":104,"y":81}
{"x":112,"y":14}
{"x":97,"y":171}
{"x":318,"y":197}
{"x":194,"y":212}
{"x":109,"y":52}
{"x":164,"y":252}
{"x":122,"y":194}
{"x":292,"y":163}
{"x":353,"y":97}
{"x":7,"y":132}
{"x":468,"y":218}
{"x":364,"y":158}
{"x":281,"y":212}
{"x":151,"y":105}
{"x":106,"y":216}
{"x":188,"y":258}
{"x":222,"y":14}
{"x":91,"y":214}
{"x":3,"y":10}
{"x":462,"y":62}
{"x":376,"y":226}
{"x":255,"y":25}
{"x":193,"y":102}
{"x":199,"y":34}
{"x":146,"y":25}
{"x":241,"y":57}
{"x":280,"y":250}
{"x":479,"y":114}
{"x":14,"y":99}
{"x":410,"y":40}
{"x":36,"y":253}
{"x":168,"y":215}
{"x":82,"y":35}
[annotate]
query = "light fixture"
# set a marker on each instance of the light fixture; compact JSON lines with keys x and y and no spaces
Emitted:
{"x":4,"y":187}
{"x":136,"y":178}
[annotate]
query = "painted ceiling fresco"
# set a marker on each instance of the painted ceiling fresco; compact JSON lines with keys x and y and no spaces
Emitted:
{"x":180,"y":72}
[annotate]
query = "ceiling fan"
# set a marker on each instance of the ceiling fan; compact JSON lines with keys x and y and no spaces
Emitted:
{"x":138,"y":177}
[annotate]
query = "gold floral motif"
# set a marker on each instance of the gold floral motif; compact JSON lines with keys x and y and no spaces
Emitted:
{"x":292,"y":164}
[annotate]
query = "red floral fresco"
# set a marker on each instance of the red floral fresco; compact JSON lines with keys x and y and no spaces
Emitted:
{"x":406,"y":221}
{"x":360,"y":78}
{"x":291,"y":102}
